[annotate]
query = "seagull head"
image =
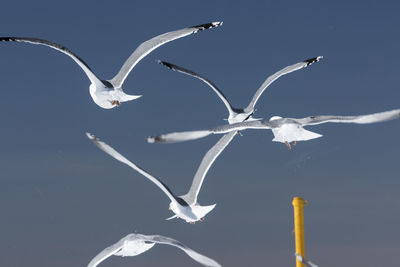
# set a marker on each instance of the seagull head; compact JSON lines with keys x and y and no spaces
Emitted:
{"x":273,"y":118}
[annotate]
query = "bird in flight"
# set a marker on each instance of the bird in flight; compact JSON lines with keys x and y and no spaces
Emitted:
{"x":285,"y":130}
{"x":108,"y":93}
{"x":135,"y":244}
{"x":186,"y":206}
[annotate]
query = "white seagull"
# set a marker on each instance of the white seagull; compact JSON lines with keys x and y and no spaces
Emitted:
{"x":135,"y":244}
{"x":304,"y":261}
{"x":285,"y":130}
{"x":185,"y":206}
{"x":108,"y":93}
{"x":237,"y":114}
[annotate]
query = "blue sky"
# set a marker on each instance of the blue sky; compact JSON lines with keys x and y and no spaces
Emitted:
{"x":63,"y":200}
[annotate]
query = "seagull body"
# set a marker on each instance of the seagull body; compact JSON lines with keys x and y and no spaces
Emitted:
{"x":186,"y":206}
{"x":285,"y":130}
{"x":108,"y":93}
{"x":290,"y":131}
{"x":135,"y":244}
{"x":238,"y":114}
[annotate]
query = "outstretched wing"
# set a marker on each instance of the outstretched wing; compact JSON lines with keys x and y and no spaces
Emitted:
{"x":192,"y":135}
{"x":208,"y":82}
{"x":273,"y":77}
{"x":113,"y":153}
{"x":206,"y":162}
{"x":361,"y":119}
{"x":172,"y":242}
{"x":92,"y":77}
{"x":107,"y":252}
{"x":148,"y":46}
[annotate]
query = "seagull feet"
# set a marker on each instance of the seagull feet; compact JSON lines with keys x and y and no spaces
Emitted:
{"x":202,"y":219}
{"x":239,"y":133}
{"x":294,"y":143}
{"x":115,"y":103}
{"x":192,"y":222}
{"x":288,"y":145}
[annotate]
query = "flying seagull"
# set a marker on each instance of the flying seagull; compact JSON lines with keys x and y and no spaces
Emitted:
{"x":135,"y":244}
{"x":285,"y":130}
{"x":304,"y":261}
{"x":108,"y":93}
{"x":238,"y":114}
{"x":185,"y":206}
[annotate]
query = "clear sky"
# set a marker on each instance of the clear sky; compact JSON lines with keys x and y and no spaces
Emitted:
{"x":62,"y":200}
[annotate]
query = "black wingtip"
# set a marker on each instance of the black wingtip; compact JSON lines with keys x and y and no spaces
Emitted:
{"x":8,"y":39}
{"x":166,"y":64}
{"x":155,"y":139}
{"x":313,"y":60}
{"x":206,"y":26}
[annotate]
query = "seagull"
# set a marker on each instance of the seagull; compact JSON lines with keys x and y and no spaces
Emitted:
{"x":304,"y":261}
{"x":185,"y":206}
{"x":285,"y":130}
{"x":237,"y":114}
{"x":108,"y":93}
{"x":135,"y":244}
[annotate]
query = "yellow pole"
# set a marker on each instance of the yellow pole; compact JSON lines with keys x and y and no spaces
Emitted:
{"x":298,"y":205}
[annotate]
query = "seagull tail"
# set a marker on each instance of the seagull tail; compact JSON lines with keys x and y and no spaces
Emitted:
{"x":172,"y":217}
{"x":121,"y":96}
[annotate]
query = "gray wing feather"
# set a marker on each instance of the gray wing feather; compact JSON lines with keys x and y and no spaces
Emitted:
{"x":361,"y":119}
{"x":113,"y":153}
{"x":275,"y":76}
{"x":178,"y":136}
{"x":92,"y":77}
{"x":107,"y":252}
{"x":148,"y":46}
{"x":207,"y":161}
{"x":208,"y":82}
{"x":193,"y":254}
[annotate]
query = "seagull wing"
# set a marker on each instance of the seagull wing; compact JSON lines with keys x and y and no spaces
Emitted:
{"x":172,"y":242}
{"x":92,"y":77}
{"x":273,"y":77}
{"x":192,"y":135}
{"x":178,"y":136}
{"x":107,"y":252}
{"x":148,"y":46}
{"x":206,"y":162}
{"x":208,"y":82}
{"x":361,"y":119}
{"x":113,"y":153}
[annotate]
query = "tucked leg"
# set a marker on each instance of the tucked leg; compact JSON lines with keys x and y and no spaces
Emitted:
{"x":116,"y":103}
{"x":288,"y":145}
